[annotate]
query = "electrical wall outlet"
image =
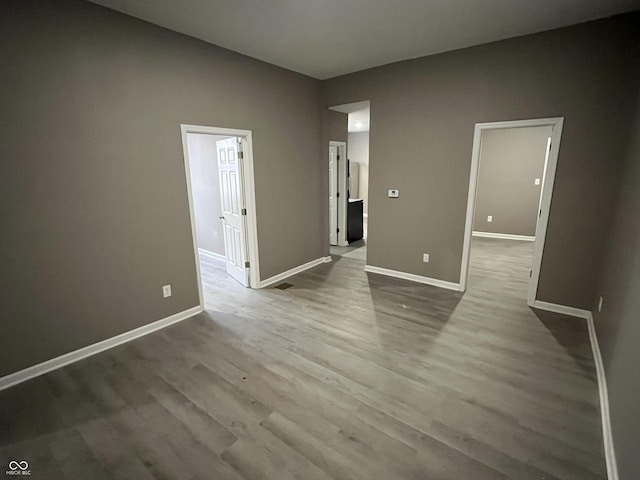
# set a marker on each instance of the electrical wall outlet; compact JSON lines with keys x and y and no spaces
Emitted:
{"x":425,"y":257}
{"x":166,"y":291}
{"x":393,"y":193}
{"x":490,"y":218}
{"x":600,"y":304}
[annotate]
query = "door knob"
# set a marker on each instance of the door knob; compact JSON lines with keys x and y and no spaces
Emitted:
{"x":221,"y":218}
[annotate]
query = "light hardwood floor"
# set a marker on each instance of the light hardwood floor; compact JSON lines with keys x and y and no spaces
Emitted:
{"x":345,"y":375}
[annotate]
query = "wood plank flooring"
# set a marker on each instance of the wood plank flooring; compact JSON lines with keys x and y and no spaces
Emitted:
{"x":345,"y":375}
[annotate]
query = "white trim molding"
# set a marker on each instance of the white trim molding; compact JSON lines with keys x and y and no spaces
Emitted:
{"x":248,"y":189}
{"x":609,"y":450}
{"x":210,"y":254}
{"x":504,"y":236}
{"x":294,"y":271}
{"x":343,"y":187}
{"x":413,"y":277}
{"x":84,"y":352}
{"x":545,"y":199}
{"x":563,"y":309}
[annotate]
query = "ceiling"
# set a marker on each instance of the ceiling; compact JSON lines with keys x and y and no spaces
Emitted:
{"x":327,"y":38}
{"x":358,"y":115}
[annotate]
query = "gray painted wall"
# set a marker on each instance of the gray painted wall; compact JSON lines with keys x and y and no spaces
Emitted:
{"x":358,"y":152}
{"x":510,"y":161}
{"x":423,"y":114}
{"x":337,"y":126}
{"x":205,"y":190}
{"x":618,"y":325}
{"x":93,"y":195}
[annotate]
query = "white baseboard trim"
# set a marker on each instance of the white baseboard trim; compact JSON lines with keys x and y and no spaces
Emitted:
{"x":563,"y":309}
{"x":84,"y":352}
{"x":294,"y":271}
{"x":210,"y":254}
{"x":504,"y":236}
{"x":609,"y":451}
{"x":413,"y":277}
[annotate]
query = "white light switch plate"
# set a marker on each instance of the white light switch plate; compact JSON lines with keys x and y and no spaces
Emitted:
{"x":393,"y":193}
{"x":166,"y":291}
{"x":537,"y":181}
{"x":490,"y":218}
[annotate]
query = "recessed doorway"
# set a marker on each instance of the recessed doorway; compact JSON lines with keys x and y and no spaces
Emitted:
{"x":219,"y":173}
{"x":351,"y":177}
{"x":510,"y":197}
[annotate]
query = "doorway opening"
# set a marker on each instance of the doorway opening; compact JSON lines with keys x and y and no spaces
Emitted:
{"x":358,"y":155}
{"x":355,"y":182}
{"x":220,"y":186}
{"x":510,"y":187}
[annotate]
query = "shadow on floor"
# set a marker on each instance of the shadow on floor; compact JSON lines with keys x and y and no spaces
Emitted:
{"x":572,"y":335}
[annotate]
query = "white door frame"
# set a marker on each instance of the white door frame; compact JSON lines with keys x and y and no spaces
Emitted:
{"x":247,"y":178}
{"x":545,"y":203}
{"x":342,"y":190}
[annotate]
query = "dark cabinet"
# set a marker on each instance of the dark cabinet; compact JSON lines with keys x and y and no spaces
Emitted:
{"x":354,"y":220}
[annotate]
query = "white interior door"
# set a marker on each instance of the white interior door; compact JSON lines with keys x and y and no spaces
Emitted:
{"x":333,"y":195}
{"x":232,"y":202}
